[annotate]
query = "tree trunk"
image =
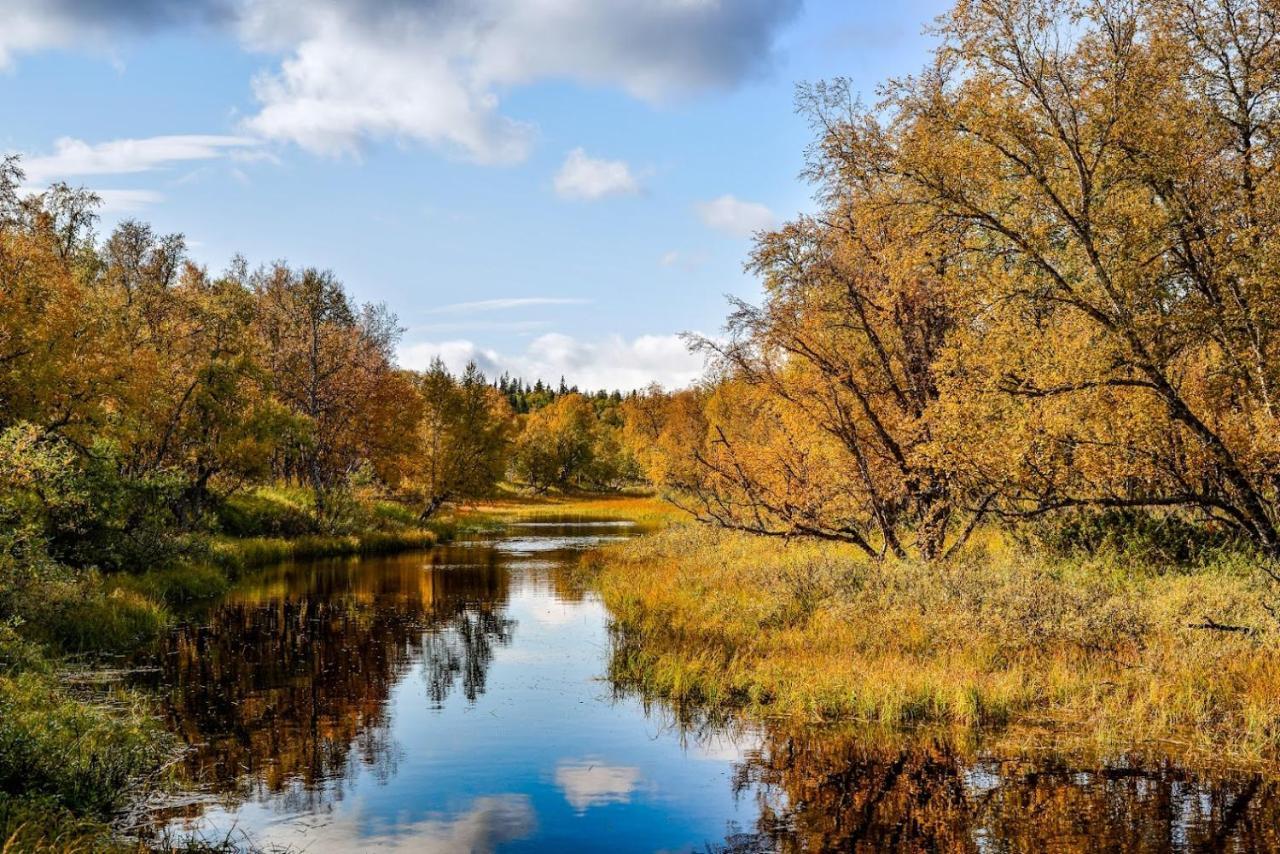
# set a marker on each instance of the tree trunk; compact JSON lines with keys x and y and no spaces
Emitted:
{"x":431,"y":507}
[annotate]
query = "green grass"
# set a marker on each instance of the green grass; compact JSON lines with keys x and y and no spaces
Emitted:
{"x":239,"y":555}
{"x":86,"y":754}
{"x":1093,"y":646}
{"x":90,"y":616}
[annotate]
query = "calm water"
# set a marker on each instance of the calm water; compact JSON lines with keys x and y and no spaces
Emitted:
{"x":458,"y":700}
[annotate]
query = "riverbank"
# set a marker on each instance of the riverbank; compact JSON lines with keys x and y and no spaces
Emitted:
{"x":642,"y":508}
{"x":76,"y":748}
{"x":1100,"y":650}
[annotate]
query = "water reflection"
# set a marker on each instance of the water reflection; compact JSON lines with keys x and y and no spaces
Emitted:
{"x":453,"y":700}
{"x":590,"y":783}
{"x":287,"y":680}
{"x":826,"y":789}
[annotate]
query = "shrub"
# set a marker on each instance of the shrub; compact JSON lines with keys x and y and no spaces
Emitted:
{"x":1137,"y":536}
{"x":84,"y":756}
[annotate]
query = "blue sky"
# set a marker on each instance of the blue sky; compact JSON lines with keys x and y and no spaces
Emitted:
{"x":551,"y":187}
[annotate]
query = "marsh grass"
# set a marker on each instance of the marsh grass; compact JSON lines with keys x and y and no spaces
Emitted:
{"x":91,"y":616}
{"x":236,"y":556}
{"x":644,"y":509}
{"x":1096,"y":646}
{"x":84,"y":754}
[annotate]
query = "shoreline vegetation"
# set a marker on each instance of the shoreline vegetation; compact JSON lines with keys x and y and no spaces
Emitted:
{"x":1117,"y":647}
{"x":1112,"y":650}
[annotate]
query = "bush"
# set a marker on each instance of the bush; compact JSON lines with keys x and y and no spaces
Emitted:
{"x":1138,"y":536}
{"x":122,"y":522}
{"x":266,"y":513}
{"x":84,"y":756}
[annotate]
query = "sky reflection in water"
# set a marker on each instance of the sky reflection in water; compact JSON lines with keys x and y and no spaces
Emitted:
{"x":456,"y":701}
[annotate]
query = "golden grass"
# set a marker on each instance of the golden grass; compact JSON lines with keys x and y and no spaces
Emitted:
{"x":644,"y":509}
{"x":1092,"y":648}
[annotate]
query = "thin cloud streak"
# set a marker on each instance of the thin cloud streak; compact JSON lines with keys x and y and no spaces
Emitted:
{"x":75,"y":157}
{"x":507,"y":303}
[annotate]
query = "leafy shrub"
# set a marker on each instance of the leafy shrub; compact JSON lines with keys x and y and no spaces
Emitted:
{"x":265,"y":513}
{"x":81,"y":755}
{"x":1140,"y":536}
{"x":123,"y":522}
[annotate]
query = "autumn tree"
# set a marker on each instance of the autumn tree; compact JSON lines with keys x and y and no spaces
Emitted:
{"x":464,"y":436}
{"x":820,"y":422}
{"x":565,"y":444}
{"x":58,"y":356}
{"x":330,"y":363}
{"x":1110,"y":169}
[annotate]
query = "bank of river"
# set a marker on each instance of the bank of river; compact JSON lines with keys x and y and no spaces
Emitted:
{"x":457,"y":699}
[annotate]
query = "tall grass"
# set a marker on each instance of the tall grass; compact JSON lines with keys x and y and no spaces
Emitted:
{"x":84,"y":754}
{"x":644,"y":509}
{"x":1112,"y":651}
{"x":238,"y":555}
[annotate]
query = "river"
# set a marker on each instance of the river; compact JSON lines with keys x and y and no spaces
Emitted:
{"x":458,"y":700}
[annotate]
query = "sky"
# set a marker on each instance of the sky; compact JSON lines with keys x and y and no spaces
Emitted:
{"x":547,"y":187}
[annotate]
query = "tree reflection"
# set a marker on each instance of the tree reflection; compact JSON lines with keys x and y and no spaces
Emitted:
{"x":287,"y":681}
{"x":825,"y":789}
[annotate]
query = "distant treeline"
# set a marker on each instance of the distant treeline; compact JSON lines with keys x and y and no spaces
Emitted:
{"x":525,"y":398}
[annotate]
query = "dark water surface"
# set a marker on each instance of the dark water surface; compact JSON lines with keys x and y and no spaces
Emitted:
{"x":458,"y":700}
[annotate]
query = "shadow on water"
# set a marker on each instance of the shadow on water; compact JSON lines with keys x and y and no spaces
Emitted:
{"x":311,"y":682}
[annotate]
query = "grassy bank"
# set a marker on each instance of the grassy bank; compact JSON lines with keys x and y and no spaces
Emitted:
{"x":1106,"y":650}
{"x":641,"y":508}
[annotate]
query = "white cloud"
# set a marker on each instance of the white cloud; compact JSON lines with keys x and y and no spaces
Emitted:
{"x":733,"y":216}
{"x":432,"y":72}
{"x":123,"y":201}
{"x":587,"y":783}
{"x":490,"y":823}
{"x":342,"y":85}
{"x":586,"y":178}
{"x":505,"y":303}
{"x":608,"y":363}
{"x":75,"y":157}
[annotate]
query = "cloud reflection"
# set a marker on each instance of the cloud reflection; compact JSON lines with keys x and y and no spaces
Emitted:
{"x":587,"y":784}
{"x":490,"y":822}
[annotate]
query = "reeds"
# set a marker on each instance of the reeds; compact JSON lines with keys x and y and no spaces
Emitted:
{"x":1114,"y":652}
